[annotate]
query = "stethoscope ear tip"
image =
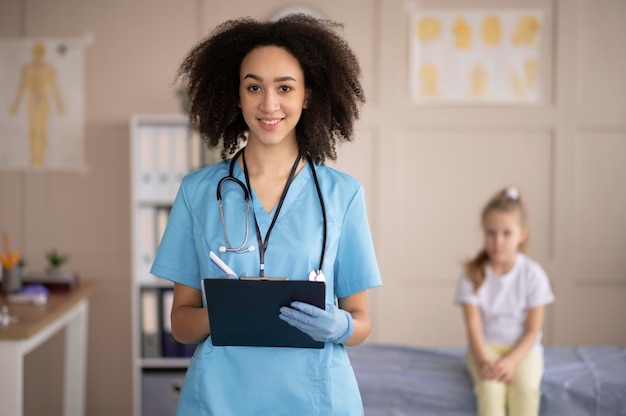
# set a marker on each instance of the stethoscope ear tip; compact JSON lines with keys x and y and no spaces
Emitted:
{"x":222,"y":249}
{"x":251,"y":248}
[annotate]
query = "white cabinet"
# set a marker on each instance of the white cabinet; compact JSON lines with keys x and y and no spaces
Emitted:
{"x":162,"y":149}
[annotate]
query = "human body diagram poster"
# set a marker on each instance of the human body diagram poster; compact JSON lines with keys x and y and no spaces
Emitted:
{"x":475,"y":56}
{"x":41,"y":104}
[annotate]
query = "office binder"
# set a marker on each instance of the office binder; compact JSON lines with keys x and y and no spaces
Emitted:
{"x":170,"y":346}
{"x":245,"y":312}
{"x":186,"y":350}
{"x":150,"y":325}
{"x":145,"y":178}
{"x":145,"y":241}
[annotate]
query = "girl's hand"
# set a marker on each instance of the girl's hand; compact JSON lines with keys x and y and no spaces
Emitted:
{"x":505,"y":370}
{"x":487,"y":370}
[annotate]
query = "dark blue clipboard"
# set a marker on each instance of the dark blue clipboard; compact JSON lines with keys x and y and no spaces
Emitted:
{"x":245,"y":312}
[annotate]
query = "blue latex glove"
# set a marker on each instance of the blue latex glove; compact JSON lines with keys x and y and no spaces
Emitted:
{"x":330,"y":324}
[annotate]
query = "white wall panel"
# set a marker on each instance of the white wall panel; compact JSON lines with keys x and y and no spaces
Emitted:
{"x":602,"y":55}
{"x":591,"y":315}
{"x":422,"y":315}
{"x":600,"y":241}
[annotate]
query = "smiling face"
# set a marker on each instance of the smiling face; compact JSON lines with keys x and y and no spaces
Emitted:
{"x":272,"y":95}
{"x":503,"y":235}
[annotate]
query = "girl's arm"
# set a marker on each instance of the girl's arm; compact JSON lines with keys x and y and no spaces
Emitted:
{"x":357,"y":306}
{"x":507,"y":365}
{"x":190,"y":320}
{"x":474,"y":326}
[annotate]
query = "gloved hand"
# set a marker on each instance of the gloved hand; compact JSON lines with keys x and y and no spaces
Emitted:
{"x":329,"y":324}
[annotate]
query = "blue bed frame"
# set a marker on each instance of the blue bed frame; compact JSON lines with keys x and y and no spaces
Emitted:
{"x":405,"y":381}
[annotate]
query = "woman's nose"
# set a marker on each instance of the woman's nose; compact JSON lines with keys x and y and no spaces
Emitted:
{"x":270,"y":102}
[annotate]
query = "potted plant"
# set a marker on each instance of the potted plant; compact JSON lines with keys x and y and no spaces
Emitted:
{"x":56,"y":261}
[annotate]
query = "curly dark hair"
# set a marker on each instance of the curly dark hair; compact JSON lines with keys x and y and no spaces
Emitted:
{"x":210,"y":73}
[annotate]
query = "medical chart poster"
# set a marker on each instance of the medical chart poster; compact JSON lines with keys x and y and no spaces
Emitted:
{"x":42,"y":104}
{"x":475,"y":56}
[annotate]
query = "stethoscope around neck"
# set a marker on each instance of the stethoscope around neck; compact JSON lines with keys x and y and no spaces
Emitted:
{"x":247,"y":192}
{"x":228,"y":247}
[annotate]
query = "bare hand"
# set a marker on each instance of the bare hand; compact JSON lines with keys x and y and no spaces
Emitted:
{"x":488,"y":370}
{"x":505,"y":370}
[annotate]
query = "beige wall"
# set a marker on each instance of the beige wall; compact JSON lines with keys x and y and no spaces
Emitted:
{"x":427,"y":171}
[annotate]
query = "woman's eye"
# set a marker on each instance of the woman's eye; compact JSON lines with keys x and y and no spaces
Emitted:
{"x":285,"y":88}
{"x":253,"y":88}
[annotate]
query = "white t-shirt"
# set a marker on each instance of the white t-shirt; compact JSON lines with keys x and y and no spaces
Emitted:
{"x":504,"y":300}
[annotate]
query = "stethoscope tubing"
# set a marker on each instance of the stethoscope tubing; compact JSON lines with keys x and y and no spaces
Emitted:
{"x":242,"y":248}
{"x":247,"y":196}
{"x":323,"y":207}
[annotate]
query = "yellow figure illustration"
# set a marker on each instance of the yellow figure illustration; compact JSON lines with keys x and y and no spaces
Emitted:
{"x":462,"y":34}
{"x":479,"y":81}
{"x":429,"y":77}
{"x":428,"y":29}
{"x":38,"y":83}
{"x":492,"y":30}
{"x":522,"y":85}
{"x":526,"y":31}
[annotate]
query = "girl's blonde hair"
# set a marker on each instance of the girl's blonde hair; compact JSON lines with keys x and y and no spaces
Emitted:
{"x":506,"y":200}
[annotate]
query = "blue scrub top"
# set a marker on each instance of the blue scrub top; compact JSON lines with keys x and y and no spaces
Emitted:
{"x":225,"y":380}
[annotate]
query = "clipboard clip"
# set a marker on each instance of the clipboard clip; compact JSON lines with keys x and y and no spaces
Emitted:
{"x":273,"y":279}
{"x":317,"y":276}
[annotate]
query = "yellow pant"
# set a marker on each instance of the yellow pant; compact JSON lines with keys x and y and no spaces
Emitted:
{"x":521,"y":396}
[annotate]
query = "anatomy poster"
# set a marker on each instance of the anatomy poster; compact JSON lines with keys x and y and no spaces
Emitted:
{"x":475,"y":56}
{"x":41,"y":104}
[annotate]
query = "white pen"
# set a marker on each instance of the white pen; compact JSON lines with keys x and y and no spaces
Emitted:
{"x":219,"y":263}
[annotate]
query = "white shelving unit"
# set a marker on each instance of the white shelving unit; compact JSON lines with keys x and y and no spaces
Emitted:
{"x":163,"y":149}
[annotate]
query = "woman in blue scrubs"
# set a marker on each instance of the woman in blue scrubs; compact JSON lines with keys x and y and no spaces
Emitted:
{"x":286,"y":92}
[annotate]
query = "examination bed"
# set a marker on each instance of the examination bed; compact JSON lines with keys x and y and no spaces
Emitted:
{"x":403,"y":381}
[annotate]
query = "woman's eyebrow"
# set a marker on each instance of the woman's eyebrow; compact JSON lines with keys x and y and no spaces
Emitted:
{"x":282,"y":79}
{"x":278,"y":79}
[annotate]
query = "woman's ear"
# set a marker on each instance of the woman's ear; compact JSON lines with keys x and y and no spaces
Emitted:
{"x":307,"y":94}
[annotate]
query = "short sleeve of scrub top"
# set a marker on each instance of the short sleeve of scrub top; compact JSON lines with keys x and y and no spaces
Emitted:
{"x":360,"y":270}
{"x":177,"y":258}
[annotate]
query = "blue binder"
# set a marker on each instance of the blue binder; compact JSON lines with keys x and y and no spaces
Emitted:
{"x":169,"y":346}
